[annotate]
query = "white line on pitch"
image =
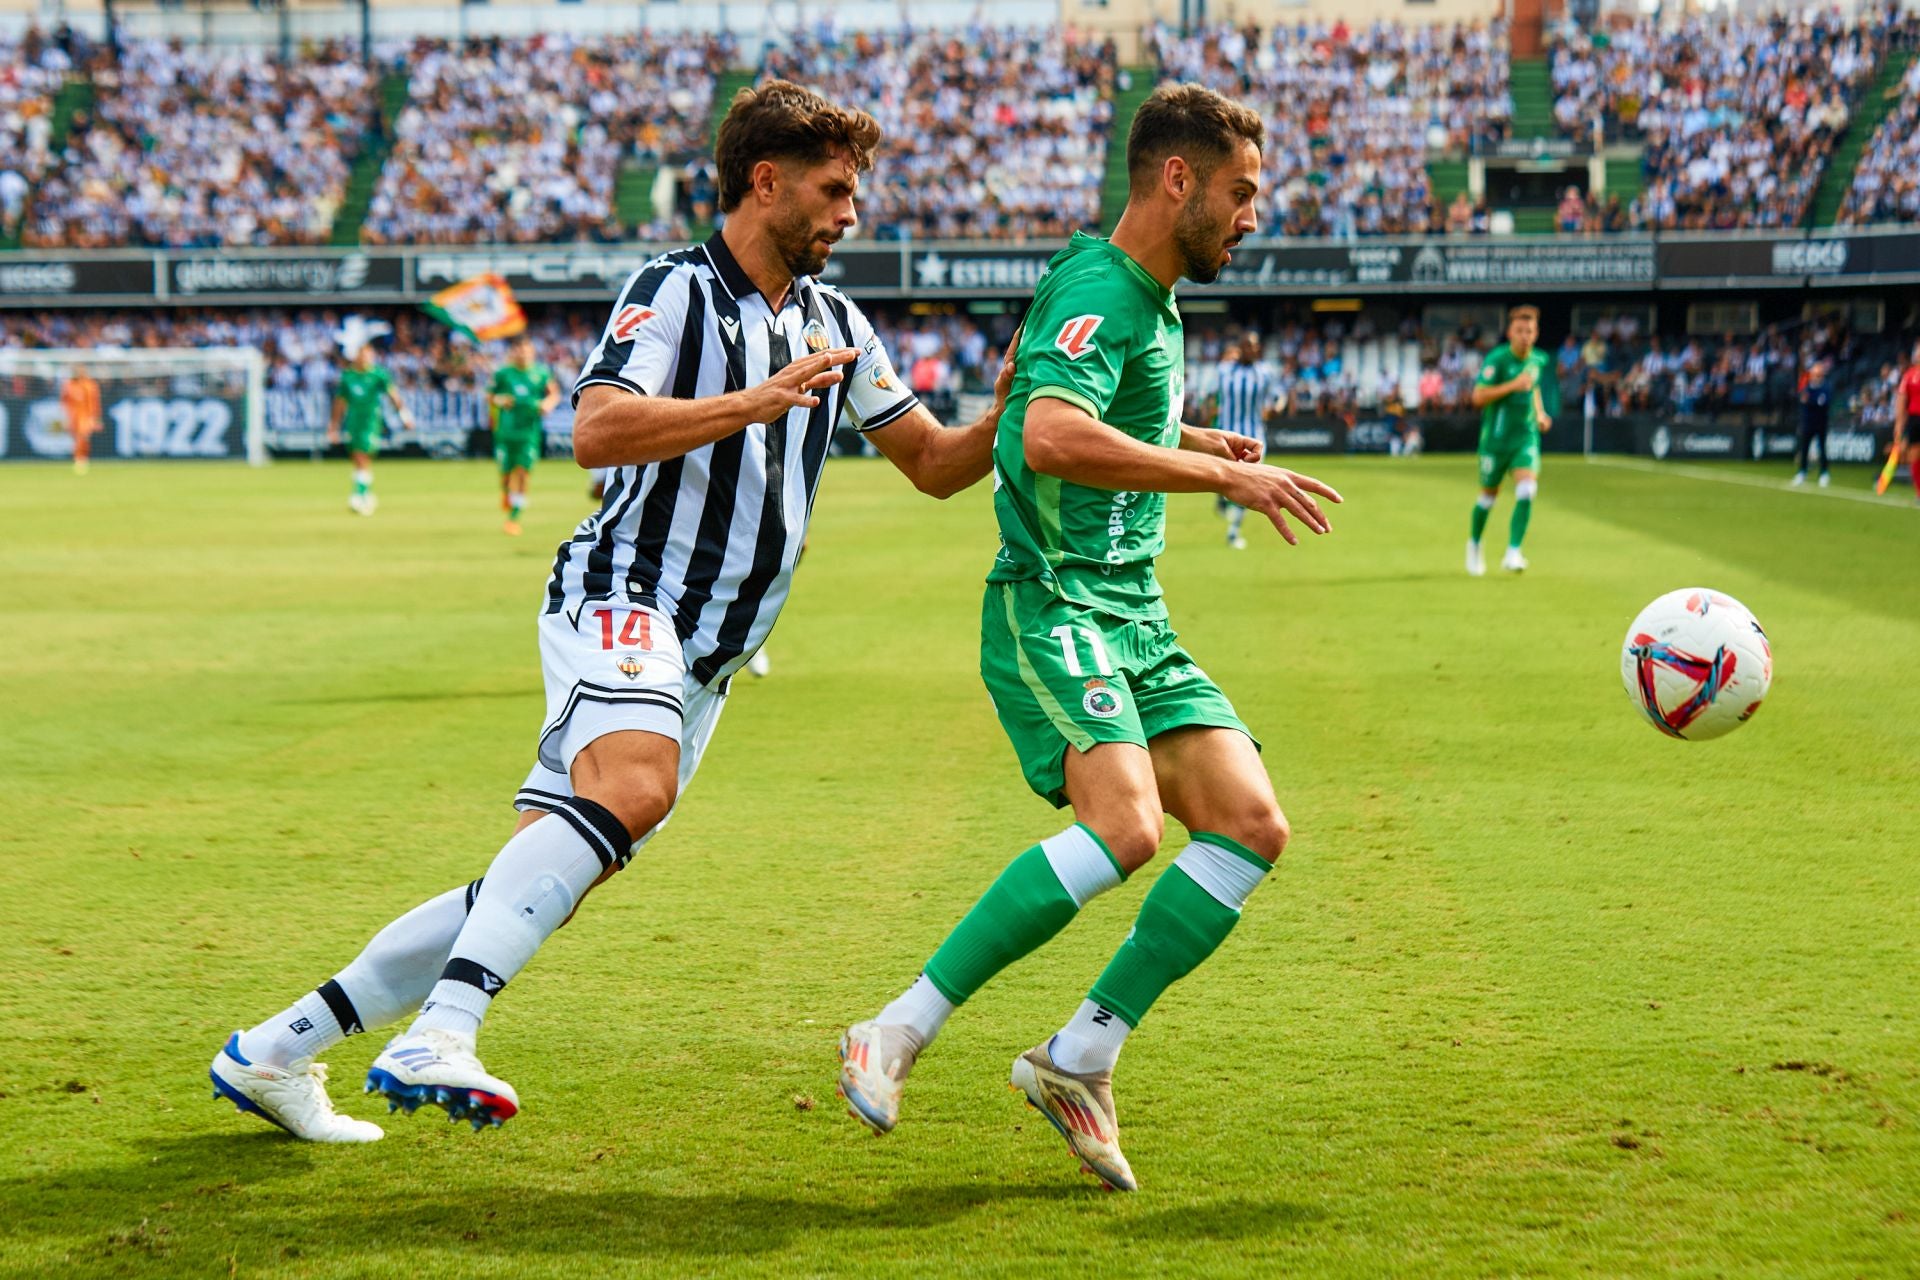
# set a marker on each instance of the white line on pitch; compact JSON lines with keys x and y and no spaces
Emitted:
{"x":1700,"y":473}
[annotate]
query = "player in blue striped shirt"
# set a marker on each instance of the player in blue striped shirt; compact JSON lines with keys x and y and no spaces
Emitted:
{"x":1244,"y":392}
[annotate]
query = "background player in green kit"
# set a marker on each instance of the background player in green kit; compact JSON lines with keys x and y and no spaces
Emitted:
{"x":523,"y":392}
{"x":1513,"y":392}
{"x":1105,"y":710}
{"x":356,"y":407}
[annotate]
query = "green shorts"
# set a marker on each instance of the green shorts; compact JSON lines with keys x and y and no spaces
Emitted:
{"x":1062,"y":675}
{"x":515,"y":452}
{"x":362,"y":437}
{"x":1494,"y":464}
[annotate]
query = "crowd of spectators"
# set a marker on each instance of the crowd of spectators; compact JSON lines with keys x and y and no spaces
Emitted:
{"x":988,"y":133}
{"x":1886,"y":184}
{"x":519,"y":141}
{"x":196,"y":147}
{"x":1738,"y":118}
{"x":32,"y":69}
{"x":1351,"y":112}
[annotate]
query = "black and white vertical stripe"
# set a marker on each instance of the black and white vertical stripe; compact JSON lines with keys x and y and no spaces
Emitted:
{"x":711,"y":538}
{"x":1244,"y":392}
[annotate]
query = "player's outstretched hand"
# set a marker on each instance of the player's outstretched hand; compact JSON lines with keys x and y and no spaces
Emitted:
{"x":793,"y":386}
{"x":1276,"y":492}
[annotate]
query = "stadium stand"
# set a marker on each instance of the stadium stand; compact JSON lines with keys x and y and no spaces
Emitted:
{"x":517,"y":141}
{"x":1886,"y":181}
{"x":195,"y":147}
{"x":990,"y":133}
{"x":32,"y":70}
{"x":1352,"y":112}
{"x":1738,"y":119}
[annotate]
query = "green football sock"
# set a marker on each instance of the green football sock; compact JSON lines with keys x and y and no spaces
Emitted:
{"x":1481,"y":510}
{"x":1517,"y":527}
{"x":1034,"y":898}
{"x":1186,"y":916}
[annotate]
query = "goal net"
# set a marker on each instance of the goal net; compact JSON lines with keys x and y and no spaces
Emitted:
{"x":154,"y":403}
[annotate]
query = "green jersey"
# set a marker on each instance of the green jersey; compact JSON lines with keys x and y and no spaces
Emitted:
{"x":362,"y":390}
{"x":528,"y":387}
{"x":1508,"y":423}
{"x":1105,"y":336}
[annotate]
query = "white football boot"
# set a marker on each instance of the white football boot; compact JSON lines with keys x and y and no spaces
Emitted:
{"x":1513,"y":561}
{"x":874,"y":1061}
{"x":1476,"y":561}
{"x":438,"y":1068}
{"x":295,"y":1098}
{"x":1081,"y":1108}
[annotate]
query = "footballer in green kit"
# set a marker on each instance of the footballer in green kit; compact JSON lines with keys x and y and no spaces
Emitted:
{"x":1106,"y":711}
{"x":1512,"y":394}
{"x":522,"y":393}
{"x":356,"y":413}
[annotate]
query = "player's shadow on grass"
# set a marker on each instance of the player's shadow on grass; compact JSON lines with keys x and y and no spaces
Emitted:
{"x":1235,"y":1219}
{"x":252,"y":1184}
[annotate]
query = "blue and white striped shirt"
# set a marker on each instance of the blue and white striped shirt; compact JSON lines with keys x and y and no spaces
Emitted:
{"x":1243,"y":392}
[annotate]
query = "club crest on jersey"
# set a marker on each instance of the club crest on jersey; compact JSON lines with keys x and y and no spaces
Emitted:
{"x":878,"y":377}
{"x":814,"y":334}
{"x":1101,"y":701}
{"x":1076,"y":335}
{"x":629,"y":666}
{"x":628,"y":321}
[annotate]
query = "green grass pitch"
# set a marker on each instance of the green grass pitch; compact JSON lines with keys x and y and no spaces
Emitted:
{"x":1535,"y":992}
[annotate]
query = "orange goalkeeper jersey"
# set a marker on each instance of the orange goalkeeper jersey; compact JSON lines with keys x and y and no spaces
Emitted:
{"x":80,"y":403}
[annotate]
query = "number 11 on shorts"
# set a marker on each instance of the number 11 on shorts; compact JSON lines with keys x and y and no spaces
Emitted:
{"x":636,"y":634}
{"x":1070,"y":652}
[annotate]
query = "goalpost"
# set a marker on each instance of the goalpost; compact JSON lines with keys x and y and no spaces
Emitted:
{"x":207,"y":402}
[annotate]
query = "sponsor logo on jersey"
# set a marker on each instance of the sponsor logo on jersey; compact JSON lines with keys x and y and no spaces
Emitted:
{"x":1101,"y":701}
{"x":1076,"y":335}
{"x":814,"y":334}
{"x":628,"y":322}
{"x":629,"y":666}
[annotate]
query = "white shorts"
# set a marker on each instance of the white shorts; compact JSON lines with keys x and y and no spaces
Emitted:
{"x":611,"y":667}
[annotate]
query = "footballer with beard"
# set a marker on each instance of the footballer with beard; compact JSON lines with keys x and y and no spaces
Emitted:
{"x":720,"y":377}
{"x":1105,"y":709}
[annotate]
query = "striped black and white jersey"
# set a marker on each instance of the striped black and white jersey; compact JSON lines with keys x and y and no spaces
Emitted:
{"x":1243,"y":392}
{"x":711,"y":538}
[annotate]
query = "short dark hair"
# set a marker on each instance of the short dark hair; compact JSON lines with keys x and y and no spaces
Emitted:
{"x":780,"y":120}
{"x":1525,"y":309}
{"x":1190,"y":121}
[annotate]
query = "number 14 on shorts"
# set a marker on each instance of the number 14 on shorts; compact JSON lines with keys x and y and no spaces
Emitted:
{"x":635,"y":633}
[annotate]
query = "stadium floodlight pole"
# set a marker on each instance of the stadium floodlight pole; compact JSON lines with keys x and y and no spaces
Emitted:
{"x":366,"y":36}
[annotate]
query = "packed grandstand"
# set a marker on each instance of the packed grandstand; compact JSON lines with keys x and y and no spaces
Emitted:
{"x":992,"y":133}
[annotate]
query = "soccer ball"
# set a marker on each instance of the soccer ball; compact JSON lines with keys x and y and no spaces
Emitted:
{"x":1697,"y":664}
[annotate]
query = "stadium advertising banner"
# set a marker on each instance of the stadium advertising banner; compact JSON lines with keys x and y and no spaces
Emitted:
{"x":228,"y":277}
{"x":35,"y":281}
{"x":134,"y":424}
{"x":592,"y":273}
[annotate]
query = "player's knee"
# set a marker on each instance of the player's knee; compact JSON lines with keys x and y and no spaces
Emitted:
{"x":1524,"y":489}
{"x":1261,"y":827}
{"x":1131,"y":836}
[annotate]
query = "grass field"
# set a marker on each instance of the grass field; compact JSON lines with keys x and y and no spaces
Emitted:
{"x":1536,"y":991}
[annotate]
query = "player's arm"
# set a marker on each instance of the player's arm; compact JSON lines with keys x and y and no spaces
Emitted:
{"x":617,"y":427}
{"x":940,"y":461}
{"x":1221,"y":444}
{"x":1064,"y":440}
{"x":400,"y":406}
{"x":551,"y":398}
{"x":498,"y":398}
{"x":1540,"y":415}
{"x":1485,"y":393}
{"x":1899,"y":412}
{"x":333,"y":419}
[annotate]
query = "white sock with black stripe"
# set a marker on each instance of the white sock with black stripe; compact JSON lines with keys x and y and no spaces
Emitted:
{"x":386,"y":981}
{"x":528,"y":892}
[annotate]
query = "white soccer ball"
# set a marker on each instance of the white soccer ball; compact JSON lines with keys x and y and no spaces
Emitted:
{"x":1697,"y":663}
